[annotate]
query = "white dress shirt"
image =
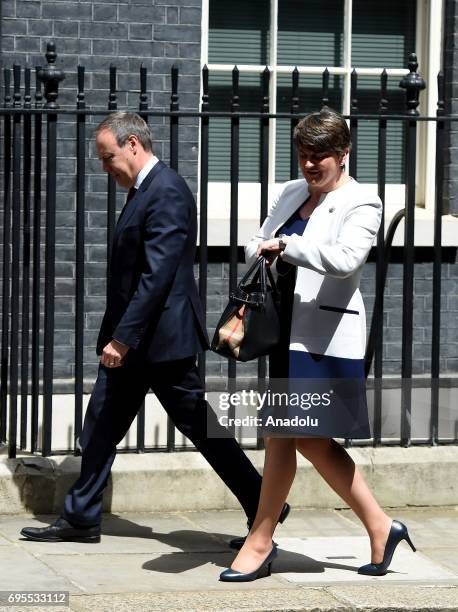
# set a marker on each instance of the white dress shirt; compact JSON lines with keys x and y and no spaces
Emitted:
{"x":145,"y":171}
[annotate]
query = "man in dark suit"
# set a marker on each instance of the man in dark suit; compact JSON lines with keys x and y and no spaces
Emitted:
{"x":151,"y":331}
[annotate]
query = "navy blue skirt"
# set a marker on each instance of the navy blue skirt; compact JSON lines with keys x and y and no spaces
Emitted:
{"x":323,"y":397}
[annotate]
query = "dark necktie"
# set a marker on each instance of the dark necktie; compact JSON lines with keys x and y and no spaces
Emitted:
{"x":130,"y":194}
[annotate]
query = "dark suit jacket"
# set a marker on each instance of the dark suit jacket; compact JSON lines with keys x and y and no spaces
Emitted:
{"x":153,"y":304}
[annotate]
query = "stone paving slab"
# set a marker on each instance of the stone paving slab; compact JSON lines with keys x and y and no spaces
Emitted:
{"x":220,"y":526}
{"x":428,"y":527}
{"x":3,"y":541}
{"x":447,"y":557}
{"x":227,"y":524}
{"x":320,"y":522}
{"x":37,"y":608}
{"x":316,"y":522}
{"x":151,"y":573}
{"x":21,"y":571}
{"x":434,"y":529}
{"x":394,"y":598}
{"x":331,"y":560}
{"x":273,"y":600}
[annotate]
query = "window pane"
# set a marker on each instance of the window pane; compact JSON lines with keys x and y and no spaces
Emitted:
{"x":367,"y":157}
{"x":383,"y":32}
{"x":220,"y":92}
{"x":239,"y":32}
{"x":310,"y":99}
{"x":310,"y":33}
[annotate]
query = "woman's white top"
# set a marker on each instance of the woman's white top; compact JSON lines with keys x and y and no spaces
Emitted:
{"x":328,"y":312}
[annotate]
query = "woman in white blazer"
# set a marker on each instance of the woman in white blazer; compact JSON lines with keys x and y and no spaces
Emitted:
{"x":317,"y":237}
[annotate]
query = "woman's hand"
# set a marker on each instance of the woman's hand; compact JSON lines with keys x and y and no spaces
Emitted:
{"x":270,"y":249}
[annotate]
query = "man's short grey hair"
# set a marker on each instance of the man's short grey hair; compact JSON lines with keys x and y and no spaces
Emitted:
{"x":123,"y":125}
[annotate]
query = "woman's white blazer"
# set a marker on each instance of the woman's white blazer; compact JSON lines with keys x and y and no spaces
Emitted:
{"x":328,"y":311}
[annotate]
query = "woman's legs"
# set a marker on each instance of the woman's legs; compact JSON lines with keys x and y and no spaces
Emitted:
{"x":340,"y":472}
{"x":277,"y":478}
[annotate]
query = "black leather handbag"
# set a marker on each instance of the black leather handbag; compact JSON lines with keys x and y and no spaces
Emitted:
{"x":250,"y":324}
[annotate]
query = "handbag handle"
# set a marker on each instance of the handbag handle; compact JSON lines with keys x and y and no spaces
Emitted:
{"x":260,"y":269}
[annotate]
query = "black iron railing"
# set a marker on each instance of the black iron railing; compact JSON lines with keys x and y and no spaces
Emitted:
{"x":24,"y":139}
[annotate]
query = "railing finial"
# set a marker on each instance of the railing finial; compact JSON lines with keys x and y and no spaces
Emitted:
{"x":51,"y":76}
{"x":413,"y":83}
{"x":325,"y":88}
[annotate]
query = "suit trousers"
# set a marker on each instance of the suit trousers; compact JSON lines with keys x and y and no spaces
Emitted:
{"x":116,"y":398}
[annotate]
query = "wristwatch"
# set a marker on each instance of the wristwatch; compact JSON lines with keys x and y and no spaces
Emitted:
{"x":281,"y":243}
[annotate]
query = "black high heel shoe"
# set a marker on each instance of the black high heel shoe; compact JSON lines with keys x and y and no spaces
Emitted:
{"x":398,"y":532}
{"x":230,"y":575}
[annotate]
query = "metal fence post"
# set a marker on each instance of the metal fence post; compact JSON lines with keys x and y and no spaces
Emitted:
{"x":174,"y":107}
{"x":353,"y":165}
{"x":233,"y":248}
{"x":111,"y":183}
{"x":36,"y":263}
{"x":294,"y":121}
{"x":25,"y":328}
{"x":437,"y":263}
{"x":79,"y":256}
{"x":143,"y":98}
{"x":4,"y":383}
{"x":142,"y":107}
{"x":413,"y":84}
{"x":264,"y":176}
{"x":51,"y":77}
{"x":203,"y":217}
{"x":379,"y":276}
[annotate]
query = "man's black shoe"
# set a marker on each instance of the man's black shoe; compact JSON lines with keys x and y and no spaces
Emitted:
{"x":237,"y":543}
{"x":62,"y":531}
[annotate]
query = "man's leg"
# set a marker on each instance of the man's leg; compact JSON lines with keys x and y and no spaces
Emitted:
{"x":179,"y":389}
{"x":115,"y":400}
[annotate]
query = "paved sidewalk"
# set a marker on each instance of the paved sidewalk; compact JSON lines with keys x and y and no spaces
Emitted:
{"x":172,"y":561}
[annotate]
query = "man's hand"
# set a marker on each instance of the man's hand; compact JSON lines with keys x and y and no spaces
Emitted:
{"x":113,"y":354}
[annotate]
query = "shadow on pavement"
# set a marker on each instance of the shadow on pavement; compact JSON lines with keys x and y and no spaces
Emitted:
{"x":201,"y":548}
{"x":286,"y":562}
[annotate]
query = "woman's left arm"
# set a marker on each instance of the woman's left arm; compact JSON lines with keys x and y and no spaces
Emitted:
{"x":350,"y":250}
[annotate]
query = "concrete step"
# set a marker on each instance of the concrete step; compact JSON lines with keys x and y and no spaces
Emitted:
{"x":153,"y":482}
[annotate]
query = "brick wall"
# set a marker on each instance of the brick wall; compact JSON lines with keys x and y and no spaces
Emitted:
{"x":95,"y":34}
{"x":451,"y":97}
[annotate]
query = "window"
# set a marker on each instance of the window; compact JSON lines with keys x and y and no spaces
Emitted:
{"x":313,"y":35}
